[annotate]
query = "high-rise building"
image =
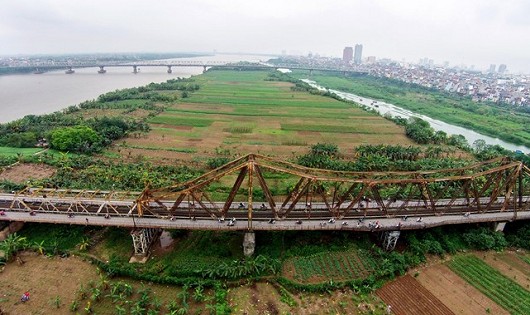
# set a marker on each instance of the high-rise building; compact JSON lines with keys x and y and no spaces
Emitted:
{"x":358,"y":54}
{"x":492,"y":68}
{"x":502,"y":68}
{"x":347,"y":54}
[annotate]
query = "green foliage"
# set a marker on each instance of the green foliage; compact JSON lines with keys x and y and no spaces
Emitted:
{"x":54,"y":238}
{"x":237,"y":269}
{"x":484,"y":239}
{"x":216,"y":162}
{"x":12,"y":244}
{"x":82,"y":139}
{"x":419,"y":131}
{"x":26,"y":139}
{"x":518,"y":235}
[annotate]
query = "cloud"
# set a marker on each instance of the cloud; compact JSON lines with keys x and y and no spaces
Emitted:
{"x":470,"y":31}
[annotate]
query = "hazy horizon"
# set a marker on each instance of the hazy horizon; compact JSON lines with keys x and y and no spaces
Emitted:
{"x":469,"y":32}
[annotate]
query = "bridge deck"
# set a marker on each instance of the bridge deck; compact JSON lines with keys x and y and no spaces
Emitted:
{"x":383,"y":224}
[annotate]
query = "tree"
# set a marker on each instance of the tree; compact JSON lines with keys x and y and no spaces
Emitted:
{"x":12,"y":244}
{"x":80,"y":139}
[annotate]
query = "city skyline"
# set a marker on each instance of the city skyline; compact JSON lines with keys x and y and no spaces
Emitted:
{"x":469,"y":32}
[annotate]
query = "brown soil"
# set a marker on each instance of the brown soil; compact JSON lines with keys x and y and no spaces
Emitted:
{"x":257,"y":298}
{"x":21,"y":173}
{"x":458,"y":295}
{"x":45,"y":279}
{"x":406,"y":296}
{"x":509,"y":265}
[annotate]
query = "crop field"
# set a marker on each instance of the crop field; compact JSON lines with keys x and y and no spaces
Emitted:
{"x":338,"y":266}
{"x":406,"y":296}
{"x":499,"y":288}
{"x":241,"y":112}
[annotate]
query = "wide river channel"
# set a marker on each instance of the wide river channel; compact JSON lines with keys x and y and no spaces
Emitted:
{"x":26,"y":94}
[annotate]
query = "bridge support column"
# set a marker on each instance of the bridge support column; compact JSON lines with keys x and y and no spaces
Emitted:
{"x":249,"y":243}
{"x":102,"y":70}
{"x":143,"y":239}
{"x":499,"y":226}
{"x":203,"y":69}
{"x":310,"y":72}
{"x":135,"y":69}
{"x":390,"y":239}
{"x":169,"y":69}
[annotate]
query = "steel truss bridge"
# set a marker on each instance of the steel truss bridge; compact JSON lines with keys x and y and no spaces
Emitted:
{"x":493,"y":191}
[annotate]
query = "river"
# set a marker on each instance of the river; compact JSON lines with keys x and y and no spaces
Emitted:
{"x":385,"y":108}
{"x":25,"y":94}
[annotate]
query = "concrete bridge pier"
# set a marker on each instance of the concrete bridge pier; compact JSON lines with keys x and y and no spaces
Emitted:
{"x":390,"y":239}
{"x":310,"y":72}
{"x":135,"y":69}
{"x":249,"y":243}
{"x":169,"y":69}
{"x":499,"y":226}
{"x":204,"y":69}
{"x":143,"y":239}
{"x":102,"y":70}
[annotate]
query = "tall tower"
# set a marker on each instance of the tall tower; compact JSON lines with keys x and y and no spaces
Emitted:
{"x":358,"y":54}
{"x":347,"y":54}
{"x":502,"y":68}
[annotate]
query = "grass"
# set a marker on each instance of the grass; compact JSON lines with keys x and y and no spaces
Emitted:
{"x":242,"y":112}
{"x":180,"y":121}
{"x":502,"y":290}
{"x":8,"y":151}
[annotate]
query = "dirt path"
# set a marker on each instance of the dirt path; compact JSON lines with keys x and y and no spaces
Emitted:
{"x":509,"y":265}
{"x":459,"y":296}
{"x":407,"y":296}
{"x":20,"y":173}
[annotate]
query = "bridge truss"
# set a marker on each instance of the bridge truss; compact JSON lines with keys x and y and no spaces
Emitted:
{"x":249,"y":190}
{"x":494,"y":186}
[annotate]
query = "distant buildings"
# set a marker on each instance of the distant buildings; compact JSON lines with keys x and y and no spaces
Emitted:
{"x":492,"y":68}
{"x":347,"y":54}
{"x":358,"y":54}
{"x":502,"y":68}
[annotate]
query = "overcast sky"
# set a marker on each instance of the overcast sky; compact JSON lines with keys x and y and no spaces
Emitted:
{"x":472,"y":32}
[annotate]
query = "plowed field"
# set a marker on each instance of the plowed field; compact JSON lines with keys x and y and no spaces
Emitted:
{"x":406,"y":296}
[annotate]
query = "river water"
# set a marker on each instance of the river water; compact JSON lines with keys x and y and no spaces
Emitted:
{"x":385,"y":108}
{"x":37,"y":94}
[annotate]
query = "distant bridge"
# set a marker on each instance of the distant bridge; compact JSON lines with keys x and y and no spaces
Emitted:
{"x":494,"y":191}
{"x":136,"y":66}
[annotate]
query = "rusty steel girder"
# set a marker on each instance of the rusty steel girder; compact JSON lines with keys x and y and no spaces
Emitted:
{"x":491,"y":186}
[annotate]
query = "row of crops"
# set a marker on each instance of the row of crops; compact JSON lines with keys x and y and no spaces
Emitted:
{"x":502,"y":290}
{"x":347,"y":265}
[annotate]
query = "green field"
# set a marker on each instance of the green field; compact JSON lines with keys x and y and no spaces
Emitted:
{"x":338,"y":266}
{"x":493,"y":120}
{"x":8,"y":151}
{"x":241,"y":112}
{"x":502,"y":290}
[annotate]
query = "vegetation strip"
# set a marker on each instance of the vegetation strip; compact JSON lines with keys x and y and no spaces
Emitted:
{"x":504,"y":291}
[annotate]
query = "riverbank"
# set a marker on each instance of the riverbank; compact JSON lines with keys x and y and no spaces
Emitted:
{"x":491,"y":120}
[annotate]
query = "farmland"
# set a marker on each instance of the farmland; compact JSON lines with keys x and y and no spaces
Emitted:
{"x":337,"y":266}
{"x":492,"y":283}
{"x":240,"y":112}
